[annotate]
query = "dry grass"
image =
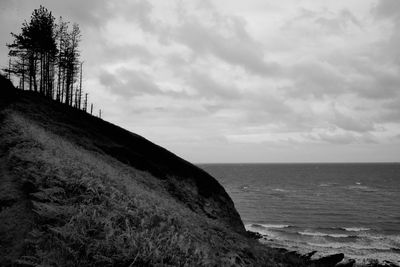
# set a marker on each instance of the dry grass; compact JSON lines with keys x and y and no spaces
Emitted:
{"x":87,"y":216}
{"x":92,"y":210}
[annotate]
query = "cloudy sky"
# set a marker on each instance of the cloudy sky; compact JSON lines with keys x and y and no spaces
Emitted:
{"x":241,"y":81}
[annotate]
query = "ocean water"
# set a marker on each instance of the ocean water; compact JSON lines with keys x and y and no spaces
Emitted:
{"x":331,"y":208}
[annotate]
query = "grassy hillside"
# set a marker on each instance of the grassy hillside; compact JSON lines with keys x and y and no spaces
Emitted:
{"x":78,"y":191}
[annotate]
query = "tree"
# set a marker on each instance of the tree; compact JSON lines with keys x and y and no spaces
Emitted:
{"x":46,"y":56}
{"x":36,"y":46}
{"x":71,"y":62}
{"x":62,"y":37}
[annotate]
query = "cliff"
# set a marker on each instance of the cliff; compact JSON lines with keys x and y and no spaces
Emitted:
{"x":78,"y":191}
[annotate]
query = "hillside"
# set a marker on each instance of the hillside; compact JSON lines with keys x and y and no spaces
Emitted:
{"x":78,"y":191}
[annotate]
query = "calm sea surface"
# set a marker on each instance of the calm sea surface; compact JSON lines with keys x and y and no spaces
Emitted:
{"x":349,"y":208}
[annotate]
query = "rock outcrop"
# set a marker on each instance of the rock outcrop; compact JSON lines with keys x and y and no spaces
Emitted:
{"x":346,"y":263}
{"x":328,"y":261}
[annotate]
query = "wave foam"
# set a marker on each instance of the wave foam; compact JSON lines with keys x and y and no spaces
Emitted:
{"x":266,"y":229}
{"x":362,"y":188}
{"x":268,"y":226}
{"x":277,"y":226}
{"x":325,"y":234}
{"x":280,"y":190}
{"x":351,"y":246}
{"x":355,"y":229}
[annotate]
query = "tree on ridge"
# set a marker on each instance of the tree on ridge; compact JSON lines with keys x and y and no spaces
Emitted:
{"x":45,"y":56}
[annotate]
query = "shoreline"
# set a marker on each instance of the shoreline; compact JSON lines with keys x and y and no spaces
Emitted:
{"x":318,"y":258}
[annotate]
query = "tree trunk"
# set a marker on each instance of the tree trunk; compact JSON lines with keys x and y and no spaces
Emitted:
{"x":80,"y":87}
{"x":34,"y":75}
{"x":23,"y":74}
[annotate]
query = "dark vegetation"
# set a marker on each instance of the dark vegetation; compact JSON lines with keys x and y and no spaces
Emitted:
{"x":44,"y":57}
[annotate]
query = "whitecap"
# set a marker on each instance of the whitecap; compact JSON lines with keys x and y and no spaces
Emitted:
{"x":262,"y":225}
{"x":260,"y":229}
{"x":362,"y":188}
{"x":279,"y":226}
{"x":349,"y":245}
{"x":280,"y":190}
{"x":355,"y":229}
{"x":324,"y":234}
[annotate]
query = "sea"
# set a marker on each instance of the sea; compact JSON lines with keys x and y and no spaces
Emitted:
{"x":351,"y":208}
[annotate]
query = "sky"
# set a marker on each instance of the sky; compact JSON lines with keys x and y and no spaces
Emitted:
{"x":229,"y":81}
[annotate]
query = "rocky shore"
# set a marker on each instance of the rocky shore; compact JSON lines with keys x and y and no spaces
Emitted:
{"x":333,"y":260}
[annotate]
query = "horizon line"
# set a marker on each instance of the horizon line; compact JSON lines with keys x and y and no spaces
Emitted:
{"x":300,"y":162}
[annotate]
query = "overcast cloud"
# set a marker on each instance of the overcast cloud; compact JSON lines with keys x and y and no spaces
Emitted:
{"x":241,"y":81}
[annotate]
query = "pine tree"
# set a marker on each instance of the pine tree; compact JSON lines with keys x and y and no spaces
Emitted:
{"x":36,"y":46}
{"x":62,"y":36}
{"x":71,"y":57}
{"x":46,"y":56}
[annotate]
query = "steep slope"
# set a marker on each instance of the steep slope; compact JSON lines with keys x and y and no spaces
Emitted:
{"x":207,"y":195}
{"x":78,"y":191}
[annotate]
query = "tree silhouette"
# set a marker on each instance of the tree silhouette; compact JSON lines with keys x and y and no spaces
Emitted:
{"x":62,"y":39}
{"x":46,"y":57}
{"x":35,"y":50}
{"x":71,"y":62}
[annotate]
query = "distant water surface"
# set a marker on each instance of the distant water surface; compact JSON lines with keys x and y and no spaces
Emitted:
{"x":349,"y":208}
